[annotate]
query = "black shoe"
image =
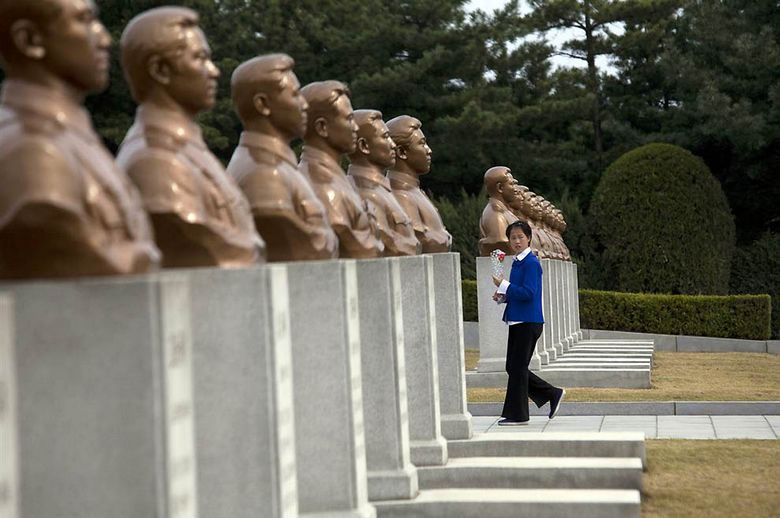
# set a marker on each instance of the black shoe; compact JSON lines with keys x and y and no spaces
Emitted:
{"x":555,"y":403}
{"x":510,"y":422}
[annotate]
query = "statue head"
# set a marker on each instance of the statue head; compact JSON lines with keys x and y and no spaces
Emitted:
{"x":499,"y":183}
{"x":55,"y":41}
{"x":412,"y":152}
{"x":559,"y":220}
{"x":267,"y":96}
{"x":546,"y":207}
{"x":166,"y":58}
{"x":330,"y":120}
{"x":534,"y":208}
{"x":374,"y":144}
{"x":518,"y":202}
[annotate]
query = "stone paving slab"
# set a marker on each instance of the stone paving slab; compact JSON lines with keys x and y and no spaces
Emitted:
{"x":774,"y":422}
{"x":654,"y":427}
{"x":685,"y":427}
{"x":768,"y":408}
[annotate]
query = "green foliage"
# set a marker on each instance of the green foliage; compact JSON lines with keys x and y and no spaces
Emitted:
{"x":756,"y":269}
{"x":461,"y":217}
{"x":469,"y":295}
{"x":664,"y":224}
{"x":699,"y":74}
{"x":732,"y":316}
{"x":705,"y":78}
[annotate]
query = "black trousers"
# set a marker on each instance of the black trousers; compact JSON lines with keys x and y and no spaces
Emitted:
{"x":523,"y":383}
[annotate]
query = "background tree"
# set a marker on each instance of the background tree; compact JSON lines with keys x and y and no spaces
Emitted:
{"x":664,"y":224}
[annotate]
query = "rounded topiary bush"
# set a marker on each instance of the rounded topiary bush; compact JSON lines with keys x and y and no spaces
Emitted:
{"x":663,"y":224}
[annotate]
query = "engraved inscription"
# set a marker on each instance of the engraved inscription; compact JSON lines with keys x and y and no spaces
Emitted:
{"x":178,"y":350}
{"x":181,"y":411}
{"x":353,"y":309}
{"x":281,"y":323}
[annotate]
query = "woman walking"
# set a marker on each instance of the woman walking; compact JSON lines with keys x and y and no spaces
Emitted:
{"x":523,"y":314}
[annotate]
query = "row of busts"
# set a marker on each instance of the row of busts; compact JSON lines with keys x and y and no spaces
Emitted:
{"x":509,"y":201}
{"x":68,"y":208}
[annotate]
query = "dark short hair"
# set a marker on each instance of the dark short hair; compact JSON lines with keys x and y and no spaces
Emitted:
{"x":522,"y":225}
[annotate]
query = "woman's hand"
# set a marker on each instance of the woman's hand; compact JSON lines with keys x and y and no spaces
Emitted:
{"x":496,"y":296}
{"x":497,"y":280}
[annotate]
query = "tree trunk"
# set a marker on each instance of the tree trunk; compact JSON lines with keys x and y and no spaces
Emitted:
{"x":593,"y":84}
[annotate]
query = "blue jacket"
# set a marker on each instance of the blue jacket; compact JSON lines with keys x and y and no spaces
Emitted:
{"x":524,"y":295}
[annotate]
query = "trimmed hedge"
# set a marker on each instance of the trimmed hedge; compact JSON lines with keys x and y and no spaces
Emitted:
{"x":469,"y":295}
{"x":664,"y":224}
{"x":731,"y":316}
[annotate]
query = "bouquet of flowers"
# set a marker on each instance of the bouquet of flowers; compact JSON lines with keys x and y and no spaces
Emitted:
{"x":497,"y":260}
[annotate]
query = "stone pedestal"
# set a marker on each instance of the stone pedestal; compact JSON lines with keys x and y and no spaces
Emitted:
{"x":242,"y":385}
{"x":566,"y":308}
{"x":428,"y":446}
{"x":577,"y":326}
{"x":329,"y":440}
{"x":455,"y":417}
{"x":493,"y":331}
{"x":544,"y":347}
{"x":573,"y":301}
{"x":557,"y":301}
{"x":391,"y":475}
{"x":9,"y":465}
{"x":104,"y":406}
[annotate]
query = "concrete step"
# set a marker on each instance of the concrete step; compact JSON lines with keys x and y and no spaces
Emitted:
{"x":539,"y":503}
{"x":534,"y":472}
{"x":596,"y":377}
{"x":605,"y":348}
{"x":614,"y":346}
{"x":596,"y":355}
{"x":550,"y":444}
{"x":576,"y":364}
{"x":570,"y":377}
{"x":616,"y":341}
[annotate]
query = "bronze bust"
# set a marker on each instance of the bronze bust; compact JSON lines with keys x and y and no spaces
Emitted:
{"x":412,"y":160}
{"x":266,"y":95}
{"x":500,"y":187}
{"x":65,"y":208}
{"x":374,"y":153}
{"x":331,"y":133}
{"x":199,"y":214}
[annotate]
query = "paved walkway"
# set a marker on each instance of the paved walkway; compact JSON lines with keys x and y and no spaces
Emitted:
{"x":654,"y":427}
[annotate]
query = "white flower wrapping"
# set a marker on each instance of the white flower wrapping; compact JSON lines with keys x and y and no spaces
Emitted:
{"x":497,"y":260}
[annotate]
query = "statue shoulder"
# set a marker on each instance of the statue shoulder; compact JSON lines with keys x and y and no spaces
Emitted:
{"x":266,"y":184}
{"x":28,"y":123}
{"x":166,"y":182}
{"x":38,"y":169}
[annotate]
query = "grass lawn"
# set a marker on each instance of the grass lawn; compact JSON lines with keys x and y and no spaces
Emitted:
{"x":714,"y":478}
{"x":679,"y":377}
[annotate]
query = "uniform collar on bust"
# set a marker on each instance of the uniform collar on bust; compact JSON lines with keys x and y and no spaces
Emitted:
{"x":405,"y":180}
{"x":269,"y":143}
{"x":498,"y":205}
{"x":27,"y":96}
{"x":371,"y":174}
{"x":172,"y":122}
{"x":313,"y":154}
